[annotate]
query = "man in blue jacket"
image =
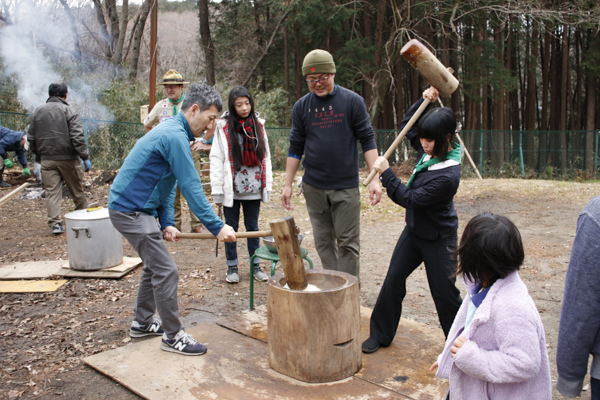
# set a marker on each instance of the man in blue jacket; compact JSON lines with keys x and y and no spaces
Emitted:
{"x":144,"y":190}
{"x":12,"y":141}
{"x":579,"y":329}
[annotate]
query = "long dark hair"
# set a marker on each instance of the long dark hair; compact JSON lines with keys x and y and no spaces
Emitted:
{"x":490,"y":248}
{"x":233,"y":118}
{"x":437,"y":124}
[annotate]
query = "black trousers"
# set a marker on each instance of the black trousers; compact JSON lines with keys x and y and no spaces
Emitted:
{"x":409,"y":253}
{"x":595,"y":389}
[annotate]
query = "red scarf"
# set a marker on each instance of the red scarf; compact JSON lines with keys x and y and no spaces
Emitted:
{"x":244,"y":128}
{"x":263,"y":162}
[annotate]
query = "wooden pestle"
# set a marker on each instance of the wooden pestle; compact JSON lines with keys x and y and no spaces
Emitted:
{"x":286,"y":240}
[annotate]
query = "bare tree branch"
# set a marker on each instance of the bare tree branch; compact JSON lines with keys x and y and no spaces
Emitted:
{"x":266,"y":50}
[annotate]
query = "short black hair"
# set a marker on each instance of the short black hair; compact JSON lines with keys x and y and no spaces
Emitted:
{"x":58,"y":89}
{"x":436,"y":125}
{"x":490,"y":248}
{"x":202,"y":95}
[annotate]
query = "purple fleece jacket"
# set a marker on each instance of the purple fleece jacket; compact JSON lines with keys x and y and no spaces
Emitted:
{"x":505,"y":356}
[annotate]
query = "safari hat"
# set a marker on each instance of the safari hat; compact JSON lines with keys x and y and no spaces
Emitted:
{"x":173,"y":77}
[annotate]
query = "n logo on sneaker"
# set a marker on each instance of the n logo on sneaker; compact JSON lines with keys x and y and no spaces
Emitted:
{"x":180,"y":346}
{"x":154,"y":328}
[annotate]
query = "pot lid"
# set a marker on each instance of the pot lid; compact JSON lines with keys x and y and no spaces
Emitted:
{"x":85,"y":215}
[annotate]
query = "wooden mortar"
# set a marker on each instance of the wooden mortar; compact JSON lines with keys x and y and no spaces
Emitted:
{"x":315,"y":336}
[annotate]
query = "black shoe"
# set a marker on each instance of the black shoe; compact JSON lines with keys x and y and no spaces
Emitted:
{"x":4,"y":184}
{"x":57,"y":229}
{"x":371,"y":345}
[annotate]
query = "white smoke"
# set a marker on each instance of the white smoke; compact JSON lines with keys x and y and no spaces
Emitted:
{"x":25,"y":47}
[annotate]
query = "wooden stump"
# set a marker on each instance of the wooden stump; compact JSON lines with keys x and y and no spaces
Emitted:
{"x":315,"y":336}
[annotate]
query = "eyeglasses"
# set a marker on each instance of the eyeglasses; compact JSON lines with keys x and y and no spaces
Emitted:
{"x":321,"y":80}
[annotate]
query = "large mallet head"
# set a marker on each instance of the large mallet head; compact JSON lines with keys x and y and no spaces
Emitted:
{"x":429,"y":67}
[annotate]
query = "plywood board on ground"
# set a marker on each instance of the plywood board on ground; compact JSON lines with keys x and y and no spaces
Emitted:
{"x":31,"y":270}
{"x":30,"y":286}
{"x":47,"y":269}
{"x":404,"y":365}
{"x":235,"y":367}
{"x":116,"y":272}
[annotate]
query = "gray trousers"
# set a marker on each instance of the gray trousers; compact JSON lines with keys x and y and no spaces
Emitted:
{"x":158,"y":284}
{"x":335,"y":219}
{"x":53,"y":173}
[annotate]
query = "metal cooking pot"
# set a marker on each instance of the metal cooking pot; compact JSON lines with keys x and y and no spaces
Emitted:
{"x":93,"y":241}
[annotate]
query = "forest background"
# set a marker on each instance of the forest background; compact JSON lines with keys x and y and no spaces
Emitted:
{"x":523,"y":65}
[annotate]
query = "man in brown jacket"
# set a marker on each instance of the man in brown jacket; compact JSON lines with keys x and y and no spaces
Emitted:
{"x":56,"y":138}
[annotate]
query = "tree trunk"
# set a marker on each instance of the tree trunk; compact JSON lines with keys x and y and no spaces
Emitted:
{"x":591,"y":109}
{"x":555,"y":84}
{"x":118,"y":54}
{"x":531,"y":100}
{"x":72,"y":21}
{"x":563,"y":99}
{"x":298,"y":61}
{"x":367,"y":36}
{"x":398,"y":76}
{"x":575,"y":103}
{"x":286,"y":62}
{"x":103,"y":29}
{"x":544,"y":123}
{"x":137,"y":40}
{"x":497,"y":155}
{"x":258,"y":32}
{"x":113,"y":18}
{"x":206,"y":42}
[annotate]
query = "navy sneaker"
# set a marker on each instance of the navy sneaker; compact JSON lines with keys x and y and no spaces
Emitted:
{"x":182,"y":343}
{"x":138,"y":330}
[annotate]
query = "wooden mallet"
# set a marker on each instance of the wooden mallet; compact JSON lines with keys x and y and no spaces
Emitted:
{"x":435,"y":73}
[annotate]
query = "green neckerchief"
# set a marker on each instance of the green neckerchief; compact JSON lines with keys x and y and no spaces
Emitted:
{"x":175,"y":104}
{"x":453,"y":155}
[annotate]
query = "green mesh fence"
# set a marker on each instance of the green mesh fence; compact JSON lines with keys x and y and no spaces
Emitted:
{"x":540,"y":154}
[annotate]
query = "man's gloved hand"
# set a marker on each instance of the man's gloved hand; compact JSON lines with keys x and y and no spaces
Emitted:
{"x":26,"y":171}
{"x":8,"y":163}
{"x":88,"y":165}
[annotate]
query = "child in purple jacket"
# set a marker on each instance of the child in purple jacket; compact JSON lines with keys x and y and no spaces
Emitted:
{"x":496,"y":348}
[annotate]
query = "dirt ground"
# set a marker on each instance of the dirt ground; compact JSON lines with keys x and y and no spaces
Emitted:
{"x":43,"y":337}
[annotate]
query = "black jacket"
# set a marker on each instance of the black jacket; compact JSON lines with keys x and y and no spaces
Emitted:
{"x":429,"y":204}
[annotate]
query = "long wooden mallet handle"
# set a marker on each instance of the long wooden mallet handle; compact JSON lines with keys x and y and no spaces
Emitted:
{"x":12,"y":194}
{"x":403,"y":133}
{"x":239,"y":235}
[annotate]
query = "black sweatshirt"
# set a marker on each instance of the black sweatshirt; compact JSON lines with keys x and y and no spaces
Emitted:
{"x":326,"y":130}
{"x":430,"y":212}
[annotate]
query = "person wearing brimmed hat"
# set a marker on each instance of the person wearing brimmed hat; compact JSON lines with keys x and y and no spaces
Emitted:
{"x":173,"y":83}
{"x":327,"y":123}
{"x":171,"y":106}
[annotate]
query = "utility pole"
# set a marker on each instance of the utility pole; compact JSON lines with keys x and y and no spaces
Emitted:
{"x":153,"y":38}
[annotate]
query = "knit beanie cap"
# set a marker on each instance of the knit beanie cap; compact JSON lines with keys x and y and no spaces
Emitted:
{"x":318,"y":62}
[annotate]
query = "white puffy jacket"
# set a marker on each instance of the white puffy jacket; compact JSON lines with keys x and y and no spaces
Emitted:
{"x":221,"y":180}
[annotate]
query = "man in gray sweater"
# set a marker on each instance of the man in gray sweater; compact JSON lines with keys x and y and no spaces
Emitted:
{"x":56,"y":138}
{"x":579,"y":329}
